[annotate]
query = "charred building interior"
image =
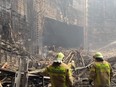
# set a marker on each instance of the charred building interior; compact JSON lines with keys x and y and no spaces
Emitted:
{"x":32,"y":32}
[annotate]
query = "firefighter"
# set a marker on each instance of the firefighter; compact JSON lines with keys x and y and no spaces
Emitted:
{"x":60,"y":74}
{"x":100,"y":72}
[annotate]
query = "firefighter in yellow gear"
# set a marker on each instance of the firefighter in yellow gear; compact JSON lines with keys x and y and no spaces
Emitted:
{"x":100,"y":72}
{"x":60,"y":74}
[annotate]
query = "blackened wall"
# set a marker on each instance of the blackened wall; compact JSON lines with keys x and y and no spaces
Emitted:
{"x":61,"y":34}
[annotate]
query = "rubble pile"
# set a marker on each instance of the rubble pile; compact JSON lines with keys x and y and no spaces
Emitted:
{"x":81,"y":58}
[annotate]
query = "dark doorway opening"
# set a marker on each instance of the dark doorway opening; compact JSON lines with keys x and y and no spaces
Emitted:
{"x":61,"y":34}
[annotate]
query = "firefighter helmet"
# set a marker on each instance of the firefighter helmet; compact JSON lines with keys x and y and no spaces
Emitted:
{"x":59,"y":57}
{"x":98,"y":55}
